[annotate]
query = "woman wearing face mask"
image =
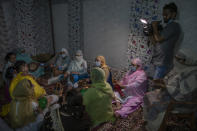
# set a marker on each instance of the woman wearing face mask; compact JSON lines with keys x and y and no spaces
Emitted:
{"x":179,"y":86}
{"x":78,"y":66}
{"x":134,"y":81}
{"x":100,"y":62}
{"x":62,"y":60}
{"x":135,"y":85}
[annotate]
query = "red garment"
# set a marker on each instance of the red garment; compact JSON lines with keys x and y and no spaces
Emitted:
{"x":118,"y":89}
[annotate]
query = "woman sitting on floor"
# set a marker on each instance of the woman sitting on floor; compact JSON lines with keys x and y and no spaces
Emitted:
{"x":23,"y":73}
{"x":59,"y":65}
{"x":100,"y":62}
{"x":180,"y":86}
{"x":21,"y":55}
{"x":63,"y":60}
{"x":60,"y":62}
{"x":98,"y":98}
{"x":26,"y":111}
{"x":135,"y":86}
{"x":78,"y":67}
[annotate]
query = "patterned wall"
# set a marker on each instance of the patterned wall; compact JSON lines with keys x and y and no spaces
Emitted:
{"x":33,"y":24}
{"x":137,"y":43}
{"x":3,"y":37}
{"x":75,"y":26}
{"x":25,"y":23}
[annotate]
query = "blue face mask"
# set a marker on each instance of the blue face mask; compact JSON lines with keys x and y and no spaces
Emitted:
{"x":98,"y":63}
{"x":133,"y":68}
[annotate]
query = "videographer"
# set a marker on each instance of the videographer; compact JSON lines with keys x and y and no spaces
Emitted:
{"x":166,"y":40}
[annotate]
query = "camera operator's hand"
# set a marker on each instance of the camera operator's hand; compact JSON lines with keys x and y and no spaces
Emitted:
{"x":155,"y":23}
{"x":156,"y":34}
{"x":152,"y":39}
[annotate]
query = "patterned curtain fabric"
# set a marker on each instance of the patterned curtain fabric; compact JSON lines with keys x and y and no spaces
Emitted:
{"x":75,"y":26}
{"x":34,"y":27}
{"x":3,"y":37}
{"x":26,"y":24}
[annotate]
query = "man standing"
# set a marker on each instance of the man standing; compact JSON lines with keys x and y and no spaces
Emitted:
{"x":165,"y":41}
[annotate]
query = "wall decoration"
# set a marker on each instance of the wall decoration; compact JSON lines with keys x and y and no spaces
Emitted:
{"x":75,"y":26}
{"x":137,"y":42}
{"x":26,"y":24}
{"x":33,"y":24}
{"x":3,"y":37}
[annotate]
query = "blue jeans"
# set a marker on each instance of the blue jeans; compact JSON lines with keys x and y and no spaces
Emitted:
{"x":160,"y":72}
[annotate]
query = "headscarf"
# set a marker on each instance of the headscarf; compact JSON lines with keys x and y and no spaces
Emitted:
{"x":183,"y":85}
{"x":38,"y":90}
{"x":21,"y":55}
{"x":97,"y":77}
{"x":79,"y":52}
{"x":79,"y":56}
{"x":138,"y":62}
{"x":98,"y":99}
{"x":78,"y":64}
{"x":102,"y":59}
{"x":21,"y":111}
{"x":65,"y":51}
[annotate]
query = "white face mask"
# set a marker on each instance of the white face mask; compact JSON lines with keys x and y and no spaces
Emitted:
{"x":78,"y":58}
{"x":75,"y":85}
{"x":63,"y":55}
{"x":98,"y":63}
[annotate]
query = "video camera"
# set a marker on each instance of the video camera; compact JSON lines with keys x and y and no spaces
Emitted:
{"x":148,"y":29}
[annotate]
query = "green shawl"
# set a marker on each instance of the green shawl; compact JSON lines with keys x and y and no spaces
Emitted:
{"x":98,"y":99}
{"x":21,"y":111}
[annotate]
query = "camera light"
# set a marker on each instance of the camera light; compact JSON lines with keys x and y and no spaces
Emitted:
{"x":143,"y":21}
